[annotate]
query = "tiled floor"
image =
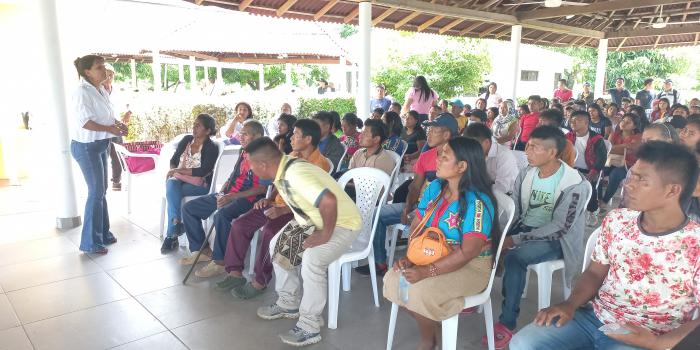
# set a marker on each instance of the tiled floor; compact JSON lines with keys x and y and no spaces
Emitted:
{"x":54,"y":297}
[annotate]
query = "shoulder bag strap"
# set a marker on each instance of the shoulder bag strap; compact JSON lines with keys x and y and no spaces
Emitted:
{"x":425,"y":218}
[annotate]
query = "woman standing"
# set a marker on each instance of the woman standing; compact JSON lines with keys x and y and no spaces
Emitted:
{"x":480,"y":104}
{"x":231,"y":130}
{"x":420,"y":97}
{"x":461,"y":204}
{"x":492,"y":98}
{"x":505,"y":126}
{"x":95,"y":126}
{"x":191,"y":169}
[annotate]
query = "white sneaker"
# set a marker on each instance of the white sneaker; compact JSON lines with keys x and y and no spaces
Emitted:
{"x":212,"y":269}
{"x":189,"y":260}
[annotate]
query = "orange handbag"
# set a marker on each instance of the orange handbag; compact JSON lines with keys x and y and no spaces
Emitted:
{"x":427,"y":244}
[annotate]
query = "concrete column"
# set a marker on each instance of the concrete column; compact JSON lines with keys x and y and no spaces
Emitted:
{"x":67,"y":211}
{"x":365,"y":28}
{"x":261,"y":77}
{"x":181,"y":73}
{"x":193,"y":74}
{"x":134,"y":80}
{"x":206,"y":74}
{"x":219,"y":76}
{"x":599,"y":87}
{"x":515,"y":35}
{"x":155,"y":66}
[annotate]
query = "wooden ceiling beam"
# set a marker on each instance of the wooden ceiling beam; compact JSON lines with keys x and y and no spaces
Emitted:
{"x":622,"y":43}
{"x":384,"y":15}
{"x":327,"y":7}
{"x":469,"y":29}
{"x":429,"y":23}
{"x":604,"y":6}
{"x":282,"y":9}
{"x":406,"y":19}
{"x":244,"y":5}
{"x":197,"y":54}
{"x":490,"y":30}
{"x":352,"y":15}
{"x":450,"y":25}
{"x":645,"y":32}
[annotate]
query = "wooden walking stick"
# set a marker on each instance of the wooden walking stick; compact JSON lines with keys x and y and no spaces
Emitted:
{"x":196,"y":258}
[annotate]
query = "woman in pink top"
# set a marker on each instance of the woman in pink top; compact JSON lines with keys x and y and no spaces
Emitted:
{"x":420,"y":97}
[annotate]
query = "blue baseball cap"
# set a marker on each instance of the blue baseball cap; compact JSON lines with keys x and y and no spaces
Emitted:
{"x":457,"y":102}
{"x":445,"y":120}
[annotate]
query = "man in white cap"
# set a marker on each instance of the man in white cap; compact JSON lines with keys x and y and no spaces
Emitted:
{"x":669,"y":92}
{"x":587,"y":94}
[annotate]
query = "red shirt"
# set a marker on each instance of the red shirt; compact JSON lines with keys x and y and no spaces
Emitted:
{"x":427,"y":164}
{"x":617,"y":139}
{"x":563,"y":95}
{"x":527,"y":123}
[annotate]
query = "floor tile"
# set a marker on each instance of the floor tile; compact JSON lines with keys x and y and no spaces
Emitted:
{"x":100,"y":327}
{"x":180,"y":305}
{"x":14,"y":339}
{"x":160,"y":341}
{"x":129,"y":253}
{"x":151,"y":276}
{"x":58,"y":298}
{"x":8,"y":318}
{"x":42,"y":271}
{"x":19,"y":252}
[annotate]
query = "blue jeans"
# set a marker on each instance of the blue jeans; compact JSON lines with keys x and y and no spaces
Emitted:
{"x":581,"y":333}
{"x":92,"y":159}
{"x":516,"y":262}
{"x":194,"y":211}
{"x":390,"y":214}
{"x":175,"y":191}
{"x":615,"y":177}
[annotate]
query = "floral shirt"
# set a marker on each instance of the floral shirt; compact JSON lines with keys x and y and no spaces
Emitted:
{"x":352,"y":144}
{"x":654,"y":280}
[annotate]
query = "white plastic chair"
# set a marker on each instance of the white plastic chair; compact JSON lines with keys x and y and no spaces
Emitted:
{"x":332,"y":167}
{"x":212,"y":187}
{"x":506,"y":210}
{"x":345,"y":152}
{"x":122,"y":153}
{"x":405,"y":148}
{"x":371,"y":186}
{"x":545,"y":270}
{"x":521,"y":158}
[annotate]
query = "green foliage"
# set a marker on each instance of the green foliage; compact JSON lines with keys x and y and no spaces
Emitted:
{"x":160,"y":124}
{"x":309,"y":74}
{"x":220,"y":113}
{"x":347,"y":30}
{"x":450,"y":73}
{"x":309,"y":106}
{"x":634,"y":66}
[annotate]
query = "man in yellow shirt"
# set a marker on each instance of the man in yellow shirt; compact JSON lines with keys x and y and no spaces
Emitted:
{"x":319,"y":200}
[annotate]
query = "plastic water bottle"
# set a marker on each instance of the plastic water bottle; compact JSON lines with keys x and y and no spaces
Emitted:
{"x":403,"y":288}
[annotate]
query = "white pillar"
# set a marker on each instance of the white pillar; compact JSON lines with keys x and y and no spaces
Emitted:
{"x":342,"y":84}
{"x":181,"y":73}
{"x":193,"y":74}
{"x":515,"y":35}
{"x":288,"y":75}
{"x":155,"y":66}
{"x":599,"y":87}
{"x":365,"y":27}
{"x":67,"y":210}
{"x":219,"y":76}
{"x":134,"y":80}
{"x":261,"y":77}
{"x":206,"y":74}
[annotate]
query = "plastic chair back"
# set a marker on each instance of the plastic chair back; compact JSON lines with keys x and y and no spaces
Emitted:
{"x":330,"y":164}
{"x":217,"y":167}
{"x":405,"y":147}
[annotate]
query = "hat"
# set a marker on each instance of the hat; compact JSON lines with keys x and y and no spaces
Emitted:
{"x":668,"y":81}
{"x":109,"y":67}
{"x":444,"y":120}
{"x":586,"y":84}
{"x":456,"y":102}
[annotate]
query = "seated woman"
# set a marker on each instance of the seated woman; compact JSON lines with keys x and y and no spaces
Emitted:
{"x":395,"y":127}
{"x":662,"y":111}
{"x":350,"y":138}
{"x":625,"y":142}
{"x":233,"y":127}
{"x":191,"y":169}
{"x":660,"y":132}
{"x":415,"y":138}
{"x":466,"y":213}
{"x":285,"y":129}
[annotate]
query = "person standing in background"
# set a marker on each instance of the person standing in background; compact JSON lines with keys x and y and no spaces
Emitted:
{"x":644,"y":96}
{"x":563,"y":93}
{"x":587,"y":94}
{"x":420,"y":97}
{"x":492,"y":98}
{"x":380,"y":101}
{"x":113,"y":157}
{"x":619,"y":91}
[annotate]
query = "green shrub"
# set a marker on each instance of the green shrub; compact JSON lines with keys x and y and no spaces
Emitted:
{"x":309,"y":106}
{"x":220,"y":113}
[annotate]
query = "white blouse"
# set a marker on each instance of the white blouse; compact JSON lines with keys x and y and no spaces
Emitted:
{"x":89,"y":103}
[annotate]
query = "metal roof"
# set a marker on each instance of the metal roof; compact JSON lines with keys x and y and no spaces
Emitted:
{"x":626,"y":23}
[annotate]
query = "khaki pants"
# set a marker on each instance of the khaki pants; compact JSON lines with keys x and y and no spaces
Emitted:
{"x":314,"y":272}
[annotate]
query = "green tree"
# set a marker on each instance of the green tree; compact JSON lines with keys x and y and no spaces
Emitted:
{"x":449,"y":73}
{"x":634,"y":66}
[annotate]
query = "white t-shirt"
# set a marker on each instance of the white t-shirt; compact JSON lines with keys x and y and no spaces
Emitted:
{"x":89,"y":103}
{"x":493,"y":101}
{"x":580,"y":145}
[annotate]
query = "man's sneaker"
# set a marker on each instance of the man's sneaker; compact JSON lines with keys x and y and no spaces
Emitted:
{"x":299,"y":337}
{"x":274,"y":312}
{"x":364,"y":269}
{"x":502,"y":336}
{"x":212,"y":269}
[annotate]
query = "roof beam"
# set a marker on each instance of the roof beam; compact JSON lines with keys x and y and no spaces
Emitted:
{"x":197,"y":54}
{"x":244,"y":5}
{"x":429,"y":23}
{"x":450,"y":25}
{"x":384,"y":15}
{"x":490,"y":30}
{"x":327,"y":7}
{"x":352,"y":15}
{"x":484,"y":16}
{"x":603,"y":6}
{"x":406,"y":19}
{"x":469,"y":29}
{"x":670,"y":30}
{"x":656,"y":43}
{"x":282,"y":9}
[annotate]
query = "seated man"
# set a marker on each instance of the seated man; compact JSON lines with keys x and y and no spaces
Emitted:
{"x":441,"y":130}
{"x":592,"y":155}
{"x":329,"y":145}
{"x":372,"y":154}
{"x":554,"y":117}
{"x":241,"y":190}
{"x":270,"y":214}
{"x":644,"y":270}
{"x":549,"y":200}
{"x":500,"y":161}
{"x":319,"y":199}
